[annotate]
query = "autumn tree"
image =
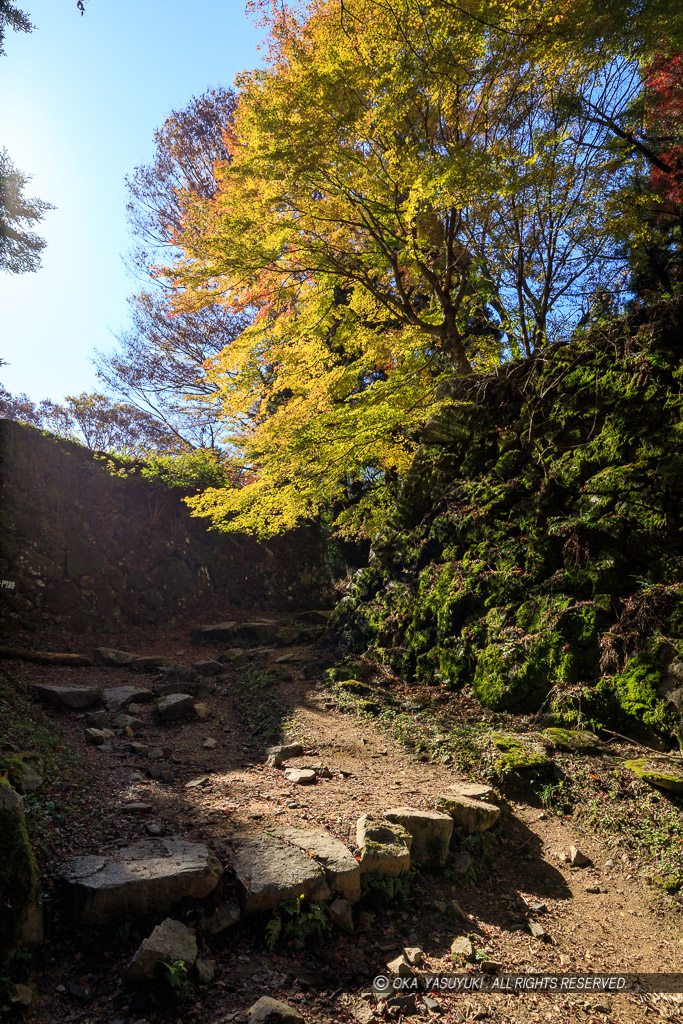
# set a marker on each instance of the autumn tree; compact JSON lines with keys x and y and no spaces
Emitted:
{"x":92,"y":420}
{"x":160,"y":364}
{"x":409,"y":194}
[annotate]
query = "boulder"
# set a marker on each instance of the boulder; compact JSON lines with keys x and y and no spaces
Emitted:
{"x":170,"y":942}
{"x":21,"y":917}
{"x":96,"y":719}
{"x":384,"y":846}
{"x":118,"y":697}
{"x":270,"y":871}
{"x":272,"y":1011}
{"x":179,"y":674}
{"x":431,"y":832}
{"x":470,"y":815}
{"x":98,"y":737}
{"x":175,"y":706}
{"x":112,"y":658}
{"x":342,"y":872}
{"x":68,"y":696}
{"x":142,"y":879}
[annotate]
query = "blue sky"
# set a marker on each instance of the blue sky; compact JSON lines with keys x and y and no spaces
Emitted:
{"x":80,"y":98}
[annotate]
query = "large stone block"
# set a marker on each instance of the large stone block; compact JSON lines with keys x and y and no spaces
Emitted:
{"x":431,"y":832}
{"x":341,"y":868}
{"x":384,"y":846}
{"x":270,"y":871}
{"x":144,"y":878}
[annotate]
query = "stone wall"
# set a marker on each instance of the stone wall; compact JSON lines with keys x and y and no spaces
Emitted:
{"x":85,"y":549}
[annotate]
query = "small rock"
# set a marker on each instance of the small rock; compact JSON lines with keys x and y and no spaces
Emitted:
{"x":432,"y":1005}
{"x":285,"y":751}
{"x":542,"y":816}
{"x":458,"y":911}
{"x":175,"y":706}
{"x":609,"y":863}
{"x":23,"y":995}
{"x":208,"y":667}
{"x":414,"y":955}
{"x":95,"y":737}
{"x":169,"y":942}
{"x":202,"y":711}
{"x":593,"y":889}
{"x":363,"y":1014}
{"x":342,"y":915}
{"x":110,"y":657}
{"x":472,"y":791}
{"x":206,"y":970}
{"x":274,"y":761}
{"x":536,"y":930}
{"x":578,"y":859}
{"x":135,"y":807}
{"x":155,"y":828}
{"x":538,"y":908}
{"x":400,"y":967}
{"x":149,"y":663}
{"x":167,"y":775}
{"x":272,"y":1011}
{"x":203,"y":780}
{"x":124,"y":721}
{"x":462,"y":947}
{"x":83,"y":993}
{"x":119,"y":697}
{"x":209,"y":743}
{"x":300,"y":776}
{"x":491,"y":966}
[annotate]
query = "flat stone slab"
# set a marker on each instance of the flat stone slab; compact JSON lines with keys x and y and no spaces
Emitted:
{"x":471,"y":815}
{"x":300,"y":776}
{"x":146,"y":878}
{"x":575,"y":741}
{"x":431,"y":832}
{"x":176,"y":706}
{"x":285,"y":751}
{"x":270,"y":871}
{"x":149,"y":663}
{"x":663,"y":774}
{"x":112,"y":658}
{"x":221,"y":631}
{"x":68,"y":696}
{"x":119,"y":697}
{"x":473,"y":790}
{"x":341,"y":868}
{"x":384,"y":846}
{"x":170,"y":942}
{"x":207,"y":668}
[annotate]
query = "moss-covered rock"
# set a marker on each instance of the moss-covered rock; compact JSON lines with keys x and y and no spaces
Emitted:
{"x":24,"y":771}
{"x":517,"y":756}
{"x":579,"y":741}
{"x":20,"y":914}
{"x":664,"y":775}
{"x":536,"y":546}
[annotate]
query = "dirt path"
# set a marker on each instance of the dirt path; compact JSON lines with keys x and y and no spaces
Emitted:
{"x":615,"y":930}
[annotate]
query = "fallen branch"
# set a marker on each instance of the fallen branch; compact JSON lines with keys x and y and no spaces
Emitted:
{"x":45,"y":657}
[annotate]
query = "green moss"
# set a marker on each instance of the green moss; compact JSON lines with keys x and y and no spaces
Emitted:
{"x":517,"y":756}
{"x":636,"y":690}
{"x":574,"y":740}
{"x":664,"y":778}
{"x":354,"y":686}
{"x":19,"y":874}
